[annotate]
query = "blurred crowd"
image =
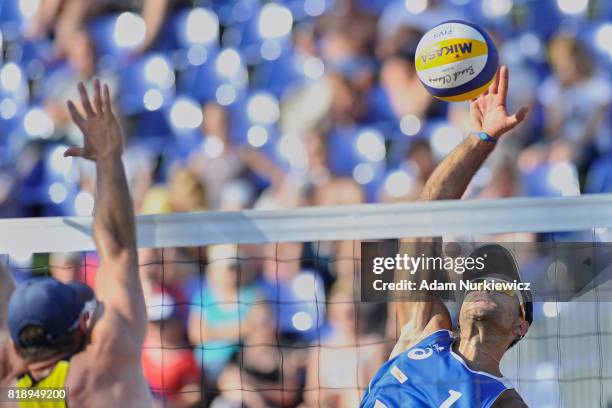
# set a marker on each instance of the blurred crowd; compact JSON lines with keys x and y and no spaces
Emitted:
{"x":238,"y":104}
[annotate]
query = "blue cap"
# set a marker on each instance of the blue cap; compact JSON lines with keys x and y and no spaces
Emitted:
{"x":47,"y":303}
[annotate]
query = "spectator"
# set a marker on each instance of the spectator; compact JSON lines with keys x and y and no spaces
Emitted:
{"x":340,"y":368}
{"x":576,"y":101}
{"x":270,"y":368}
{"x":398,"y":25}
{"x":65,"y":17}
{"x":236,"y":195}
{"x":296,"y":293}
{"x":220,"y":164}
{"x":169,"y":268}
{"x":61,"y":85}
{"x":419,"y":164}
{"x":218,"y":311}
{"x":235,"y":392}
{"x":73,"y":266}
{"x":167,"y":359}
{"x":65,"y":267}
{"x":184,"y":193}
{"x":326,"y":188}
{"x":406,"y":94}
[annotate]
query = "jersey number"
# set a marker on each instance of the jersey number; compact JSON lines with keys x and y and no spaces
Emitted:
{"x":452,"y":398}
{"x":419,"y":353}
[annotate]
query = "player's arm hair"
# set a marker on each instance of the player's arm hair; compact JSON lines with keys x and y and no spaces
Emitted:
{"x":121,"y":327}
{"x":114,"y":225}
{"x":452,"y":176}
{"x":7,"y":286}
{"x":118,"y":283}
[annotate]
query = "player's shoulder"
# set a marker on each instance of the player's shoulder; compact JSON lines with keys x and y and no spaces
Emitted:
{"x":5,"y":365}
{"x":90,"y":374}
{"x":509,"y":399}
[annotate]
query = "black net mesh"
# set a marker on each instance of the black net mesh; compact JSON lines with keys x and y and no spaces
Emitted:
{"x":282,"y":325}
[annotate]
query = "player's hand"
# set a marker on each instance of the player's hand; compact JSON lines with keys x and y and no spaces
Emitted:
{"x":488,"y":112}
{"x":101,"y":131}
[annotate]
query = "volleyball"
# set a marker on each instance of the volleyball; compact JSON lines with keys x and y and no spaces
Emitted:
{"x":456,"y":61}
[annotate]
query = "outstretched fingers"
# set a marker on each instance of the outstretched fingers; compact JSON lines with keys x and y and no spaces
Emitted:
{"x":482,"y":102}
{"x":76,"y":116}
{"x":475,"y":112}
{"x":85,"y":100}
{"x":493,"y":88}
{"x":517,"y":118}
{"x":107,"y":99}
{"x":74,"y":151}
{"x":475,"y":107}
{"x":502,"y":89}
{"x":98,"y":96}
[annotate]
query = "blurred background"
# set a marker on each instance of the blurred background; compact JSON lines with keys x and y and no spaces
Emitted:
{"x":239,"y":104}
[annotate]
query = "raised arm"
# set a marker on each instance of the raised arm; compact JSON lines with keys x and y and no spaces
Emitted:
{"x":488,"y":114}
{"x":450,"y":179}
{"x":118,"y":287}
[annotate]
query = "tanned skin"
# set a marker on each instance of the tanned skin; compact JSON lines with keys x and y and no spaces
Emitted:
{"x":490,"y":323}
{"x":108,"y":371}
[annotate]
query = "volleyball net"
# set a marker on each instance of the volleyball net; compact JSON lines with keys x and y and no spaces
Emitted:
{"x":266,"y":308}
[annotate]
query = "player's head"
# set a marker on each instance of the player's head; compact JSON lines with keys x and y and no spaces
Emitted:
{"x":164,"y":318}
{"x":509,"y":313}
{"x":569,"y":59}
{"x":222,"y":270}
{"x":47,"y":318}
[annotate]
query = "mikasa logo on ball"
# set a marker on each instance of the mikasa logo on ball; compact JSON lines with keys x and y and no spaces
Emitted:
{"x":463,"y":48}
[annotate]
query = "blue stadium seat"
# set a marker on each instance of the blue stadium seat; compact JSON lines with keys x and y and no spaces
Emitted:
{"x":11,"y":138}
{"x":152,"y":72}
{"x":200,"y":82}
{"x":343,"y":155}
{"x":275,"y":76}
{"x":205,"y":83}
{"x":101,"y":32}
{"x":11,"y":19}
{"x":551,"y":180}
{"x":290,"y":303}
{"x":227,"y":9}
{"x":599,"y":177}
{"x":181,"y":29}
{"x":248,"y":39}
{"x":28,"y":51}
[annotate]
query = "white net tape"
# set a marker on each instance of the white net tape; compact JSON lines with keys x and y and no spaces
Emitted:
{"x":357,"y":222}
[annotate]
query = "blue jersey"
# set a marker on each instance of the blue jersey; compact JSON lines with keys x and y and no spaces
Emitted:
{"x":430,"y":374}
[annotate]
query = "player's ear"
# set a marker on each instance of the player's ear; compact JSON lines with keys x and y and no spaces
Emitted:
{"x":520,"y":327}
{"x":83,"y":320}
